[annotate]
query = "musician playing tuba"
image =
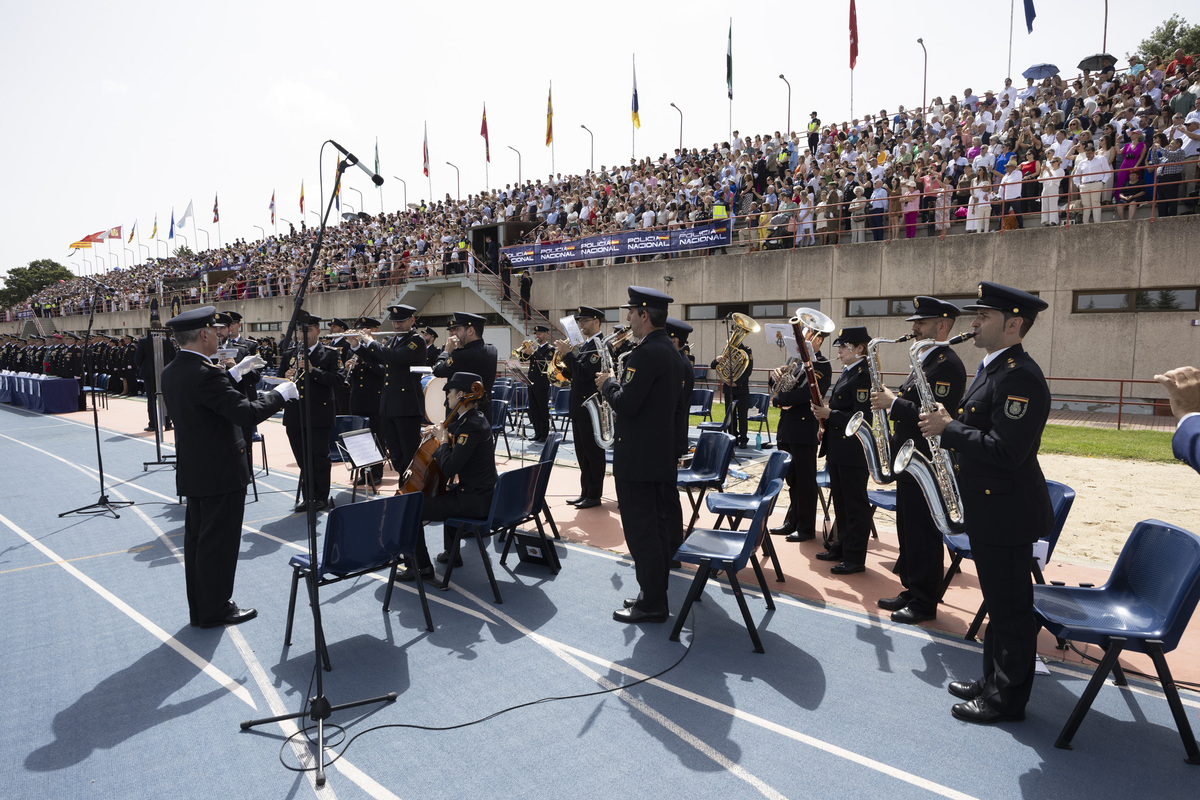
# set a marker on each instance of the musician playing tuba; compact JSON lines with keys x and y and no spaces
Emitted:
{"x":921,"y":564}
{"x":733,"y":367}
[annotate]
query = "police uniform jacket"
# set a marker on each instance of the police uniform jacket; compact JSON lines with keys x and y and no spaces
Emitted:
{"x":584,"y":366}
{"x":947,"y":378}
{"x":469,"y":453}
{"x":851,"y":394}
{"x":478,"y":357}
{"x":325,"y":373}
{"x":432,"y":354}
{"x":249,"y":382}
{"x":682,"y":419}
{"x":646,"y":402}
{"x":209,"y":415}
{"x":995,"y":441}
{"x":400,"y":393}
{"x":797,"y":425}
{"x":542,"y":355}
{"x":366,"y":386}
{"x":143,"y":358}
{"x":1186,"y":442}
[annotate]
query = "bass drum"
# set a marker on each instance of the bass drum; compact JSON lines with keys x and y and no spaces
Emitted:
{"x":435,"y":399}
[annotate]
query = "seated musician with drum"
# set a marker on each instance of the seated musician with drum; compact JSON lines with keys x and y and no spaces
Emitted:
{"x":464,"y":450}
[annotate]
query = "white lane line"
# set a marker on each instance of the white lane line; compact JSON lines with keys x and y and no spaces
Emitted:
{"x":195,"y":658}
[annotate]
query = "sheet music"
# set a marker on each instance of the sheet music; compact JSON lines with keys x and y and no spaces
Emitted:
{"x":227,"y":352}
{"x":574,"y":336}
{"x":777,"y":334}
{"x":361,"y":448}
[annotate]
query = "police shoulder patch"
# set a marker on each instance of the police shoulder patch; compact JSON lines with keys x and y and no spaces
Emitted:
{"x":412,"y":345}
{"x":941,"y":388}
{"x":462,"y":439}
{"x":628,"y":376}
{"x":594,"y":358}
{"x":450,"y":361}
{"x":863,"y":395}
{"x":1015,"y":407}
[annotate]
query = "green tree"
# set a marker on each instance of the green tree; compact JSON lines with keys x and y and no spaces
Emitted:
{"x":23,"y":282}
{"x":1174,"y":33}
{"x":183,"y":252}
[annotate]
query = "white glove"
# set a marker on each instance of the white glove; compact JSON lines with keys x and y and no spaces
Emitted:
{"x":249,"y":364}
{"x":288,"y":391}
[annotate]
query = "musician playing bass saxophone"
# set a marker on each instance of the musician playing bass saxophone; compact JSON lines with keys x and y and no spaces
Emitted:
{"x":921,"y":563}
{"x":1006,"y":504}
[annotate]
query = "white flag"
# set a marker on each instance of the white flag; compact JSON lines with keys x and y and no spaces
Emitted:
{"x":185,"y":216}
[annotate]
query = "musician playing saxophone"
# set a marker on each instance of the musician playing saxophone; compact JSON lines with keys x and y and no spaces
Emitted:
{"x":921,"y":563}
{"x":995,"y":438}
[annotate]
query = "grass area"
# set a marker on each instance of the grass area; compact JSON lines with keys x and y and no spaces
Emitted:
{"x":1064,"y":439}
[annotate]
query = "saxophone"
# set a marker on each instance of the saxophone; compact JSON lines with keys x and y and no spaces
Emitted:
{"x":934,"y":476}
{"x":598,"y":409}
{"x":879,"y":451}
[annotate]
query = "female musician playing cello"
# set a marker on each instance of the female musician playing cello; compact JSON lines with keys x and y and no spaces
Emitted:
{"x":465,"y":450}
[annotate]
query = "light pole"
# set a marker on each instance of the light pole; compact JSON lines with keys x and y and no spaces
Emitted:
{"x":206,"y":243}
{"x":398,"y":178}
{"x":592,"y":151}
{"x":291,"y":224}
{"x":361,"y":203}
{"x":318,"y":216}
{"x":680,"y":110}
{"x":789,"y":118}
{"x":518,"y":152}
{"x":261,"y":230}
{"x":457,"y":181}
{"x":924,"y":76}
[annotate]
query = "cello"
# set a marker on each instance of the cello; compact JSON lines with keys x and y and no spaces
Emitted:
{"x":423,"y":473}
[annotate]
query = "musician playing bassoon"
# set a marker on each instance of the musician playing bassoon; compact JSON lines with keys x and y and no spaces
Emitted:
{"x":921,"y":563}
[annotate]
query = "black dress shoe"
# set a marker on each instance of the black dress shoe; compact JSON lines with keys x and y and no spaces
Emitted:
{"x":782,"y":530}
{"x":301,"y":507}
{"x":589,"y":502}
{"x":829,"y":555}
{"x":320,"y":505}
{"x":978,"y":710}
{"x":964,"y":690}
{"x":910,"y":615}
{"x":409,"y":574}
{"x":629,"y":602}
{"x":148,"y":428}
{"x":846,"y":568}
{"x":636,"y":614}
{"x":168,"y":427}
{"x":444,"y":558}
{"x":800,"y":537}
{"x":575,"y":500}
{"x":234,"y":616}
{"x":893,"y":603}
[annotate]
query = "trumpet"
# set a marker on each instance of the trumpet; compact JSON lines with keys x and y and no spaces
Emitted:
{"x":526,"y":349}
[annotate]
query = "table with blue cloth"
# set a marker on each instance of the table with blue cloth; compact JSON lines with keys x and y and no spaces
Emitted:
{"x":41,"y":393}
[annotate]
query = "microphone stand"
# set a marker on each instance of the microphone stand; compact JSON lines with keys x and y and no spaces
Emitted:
{"x":103,"y":505}
{"x":318,"y":707}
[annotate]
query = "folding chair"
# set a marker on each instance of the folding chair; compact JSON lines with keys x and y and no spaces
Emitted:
{"x":1144,"y":607}
{"x":360,"y":539}
{"x":737,"y":506}
{"x":709,"y":468}
{"x":714,"y":550}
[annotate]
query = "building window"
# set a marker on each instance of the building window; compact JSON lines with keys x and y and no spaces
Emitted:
{"x":769,"y":310}
{"x":894,"y":306}
{"x":1167,"y":299}
{"x":765,"y":310}
{"x":259,"y":327}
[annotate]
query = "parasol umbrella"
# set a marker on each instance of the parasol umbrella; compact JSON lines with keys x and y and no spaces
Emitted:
{"x":1040,"y":71}
{"x":1098,"y":61}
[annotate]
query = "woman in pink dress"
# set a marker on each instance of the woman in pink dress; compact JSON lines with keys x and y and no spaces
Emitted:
{"x":1133,"y":156}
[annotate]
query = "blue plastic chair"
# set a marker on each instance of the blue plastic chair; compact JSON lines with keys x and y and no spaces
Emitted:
{"x":701,"y":403}
{"x":709,"y":468}
{"x":500,"y":423}
{"x":561,"y":410}
{"x":512,"y":504}
{"x":362,"y":538}
{"x":760,"y":405}
{"x":713,"y":550}
{"x":737,"y":506}
{"x":549,"y":453}
{"x":1144,"y":607}
{"x":518,"y":405}
{"x":536,"y":509}
{"x":723,"y":425}
{"x":1062,"y":497}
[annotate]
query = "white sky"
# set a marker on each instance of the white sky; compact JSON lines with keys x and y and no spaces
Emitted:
{"x":122,"y":110}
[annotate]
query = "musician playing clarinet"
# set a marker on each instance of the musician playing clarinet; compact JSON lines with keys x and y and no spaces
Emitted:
{"x":401,"y":402}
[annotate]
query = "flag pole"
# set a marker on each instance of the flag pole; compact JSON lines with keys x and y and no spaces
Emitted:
{"x":1011,"y":5}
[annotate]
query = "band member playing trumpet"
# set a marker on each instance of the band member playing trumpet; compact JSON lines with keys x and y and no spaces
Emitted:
{"x":314,"y":406}
{"x":584,"y":365}
{"x":337,"y":331}
{"x":466,"y":456}
{"x":538,"y":355}
{"x":921,"y":564}
{"x":466,"y":351}
{"x":844,"y":457}
{"x":995,"y":438}
{"x":366,"y":377}
{"x":401,"y":402}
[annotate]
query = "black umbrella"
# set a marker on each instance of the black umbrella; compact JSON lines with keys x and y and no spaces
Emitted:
{"x":1098,"y":61}
{"x":1039,"y":71}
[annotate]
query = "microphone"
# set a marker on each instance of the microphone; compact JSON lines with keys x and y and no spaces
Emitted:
{"x":353,"y":161}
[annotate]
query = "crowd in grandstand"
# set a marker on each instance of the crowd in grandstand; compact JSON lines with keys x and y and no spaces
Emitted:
{"x":1093,"y":147}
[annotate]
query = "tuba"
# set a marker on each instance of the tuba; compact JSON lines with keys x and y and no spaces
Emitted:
{"x":734,"y":361}
{"x":879,"y":451}
{"x":935,"y":476}
{"x":598,"y":409}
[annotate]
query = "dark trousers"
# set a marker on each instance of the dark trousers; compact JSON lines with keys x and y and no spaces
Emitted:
{"x":645,"y":518}
{"x":455,"y":503}
{"x":152,"y":408}
{"x":320,"y":461}
{"x":1167,"y":192}
{"x":212,"y":537}
{"x":1010,"y":639}
{"x":402,"y":437}
{"x":875,"y":221}
{"x":539,"y":411}
{"x":590,"y":456}
{"x":1017,"y":207}
{"x":848,"y":488}
{"x":740,"y":398}
{"x":922,"y":557}
{"x":801,"y":481}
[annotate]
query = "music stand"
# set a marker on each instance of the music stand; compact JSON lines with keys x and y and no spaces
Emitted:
{"x":360,"y":450}
{"x":157,"y":337}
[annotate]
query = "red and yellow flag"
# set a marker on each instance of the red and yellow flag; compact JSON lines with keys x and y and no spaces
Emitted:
{"x":549,"y":116}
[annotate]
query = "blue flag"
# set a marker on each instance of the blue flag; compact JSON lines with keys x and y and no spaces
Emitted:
{"x":1029,"y":15}
{"x":171,"y":233}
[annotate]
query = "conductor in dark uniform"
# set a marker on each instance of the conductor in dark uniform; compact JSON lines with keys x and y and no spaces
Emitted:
{"x":539,"y":385}
{"x":143,"y":358}
{"x":678,"y":331}
{"x":584,"y":365}
{"x":995,"y":439}
{"x":466,"y":351}
{"x":314,"y":406}
{"x":465,"y":456}
{"x":799,"y":435}
{"x":211,"y":471}
{"x":921,"y":564}
{"x":844,"y":456}
{"x":647,"y":397}
{"x":401,"y":404}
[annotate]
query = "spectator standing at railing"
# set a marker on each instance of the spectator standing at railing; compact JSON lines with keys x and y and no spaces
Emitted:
{"x":1051,"y":178}
{"x":1089,"y":176}
{"x":1169,"y":154}
{"x":1188,"y":134}
{"x":878,"y":211}
{"x":1010,"y":192}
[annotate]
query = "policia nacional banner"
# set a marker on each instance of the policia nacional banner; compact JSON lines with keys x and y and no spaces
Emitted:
{"x":627,"y":243}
